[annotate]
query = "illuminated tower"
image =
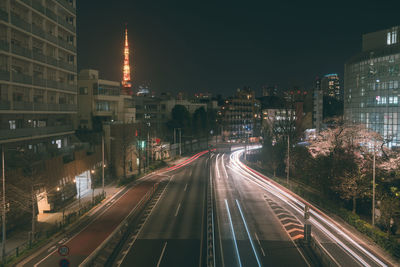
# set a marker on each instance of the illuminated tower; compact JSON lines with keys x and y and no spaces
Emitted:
{"x":126,"y":79}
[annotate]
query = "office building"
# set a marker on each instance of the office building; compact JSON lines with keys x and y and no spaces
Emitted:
{"x":241,"y":116}
{"x":330,"y":86}
{"x":372,"y":84}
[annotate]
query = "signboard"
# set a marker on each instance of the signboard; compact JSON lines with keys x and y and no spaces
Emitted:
{"x":63,"y":250}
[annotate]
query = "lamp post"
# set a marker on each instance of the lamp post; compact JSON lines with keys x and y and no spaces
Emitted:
{"x":102,"y":162}
{"x":3,"y":243}
{"x":373,"y":185}
{"x":288,"y":161}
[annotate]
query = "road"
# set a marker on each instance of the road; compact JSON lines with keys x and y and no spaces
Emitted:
{"x":100,"y":223}
{"x":254,"y":222}
{"x":344,"y":248}
{"x":246,"y":231}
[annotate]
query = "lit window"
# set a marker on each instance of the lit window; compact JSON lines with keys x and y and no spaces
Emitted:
{"x":13,"y":125}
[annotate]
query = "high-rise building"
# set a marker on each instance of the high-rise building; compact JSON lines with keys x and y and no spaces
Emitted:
{"x":330,"y":86}
{"x":372,"y":84}
{"x":317,"y":105}
{"x":38,"y":81}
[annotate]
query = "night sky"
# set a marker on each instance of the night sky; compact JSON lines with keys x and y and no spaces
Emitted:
{"x":199,"y":46}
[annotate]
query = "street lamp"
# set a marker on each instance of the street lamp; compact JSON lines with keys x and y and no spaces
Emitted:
{"x":3,"y":243}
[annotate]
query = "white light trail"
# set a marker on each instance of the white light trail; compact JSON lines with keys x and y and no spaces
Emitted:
{"x":298,"y":204}
{"x":233,"y":233}
{"x":248,"y":233}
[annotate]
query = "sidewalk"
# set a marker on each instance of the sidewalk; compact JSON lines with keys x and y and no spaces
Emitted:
{"x":47,"y":221}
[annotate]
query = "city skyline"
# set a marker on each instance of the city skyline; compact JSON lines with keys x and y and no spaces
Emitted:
{"x":221,"y":47}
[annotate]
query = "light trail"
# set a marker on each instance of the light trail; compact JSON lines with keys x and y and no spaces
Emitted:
{"x":233,"y":232}
{"x":248,"y":233}
{"x":298,"y":204}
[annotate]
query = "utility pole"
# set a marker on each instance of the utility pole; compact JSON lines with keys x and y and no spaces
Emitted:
{"x":373,"y":186}
{"x":3,"y":243}
{"x":180,"y":141}
{"x":102,"y":163}
{"x":288,"y":161}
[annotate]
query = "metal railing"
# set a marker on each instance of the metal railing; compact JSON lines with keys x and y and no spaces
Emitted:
{"x":3,"y":15}
{"x":19,"y":50}
{"x":21,"y":78}
{"x":27,"y":132}
{"x":17,"y":21}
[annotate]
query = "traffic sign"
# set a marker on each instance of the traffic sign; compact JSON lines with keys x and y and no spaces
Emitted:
{"x":64,"y":263}
{"x":63,"y":250}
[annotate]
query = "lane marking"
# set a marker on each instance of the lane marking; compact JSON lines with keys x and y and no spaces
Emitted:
{"x":162,"y":254}
{"x":151,"y":211}
{"x":233,"y":232}
{"x":185,"y":187}
{"x":248,"y":233}
{"x":177,"y":210}
{"x":259,"y":243}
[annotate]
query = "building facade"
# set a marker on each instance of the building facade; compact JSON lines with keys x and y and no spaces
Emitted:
{"x":318,"y":102}
{"x":102,"y":101}
{"x":372,"y":85}
{"x":241,"y":116}
{"x":330,"y":86}
{"x":38,"y":81}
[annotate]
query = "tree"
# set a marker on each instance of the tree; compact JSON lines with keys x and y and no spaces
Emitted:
{"x":389,"y":206}
{"x":200,"y":122}
{"x":354,"y":185}
{"x":180,"y":118}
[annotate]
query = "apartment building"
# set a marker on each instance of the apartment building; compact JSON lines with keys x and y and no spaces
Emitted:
{"x":38,"y":79}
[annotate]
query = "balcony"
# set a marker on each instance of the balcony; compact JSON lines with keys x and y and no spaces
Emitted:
{"x":21,"y":78}
{"x":52,"y":61}
{"x":64,"y":23}
{"x":66,"y":45}
{"x":4,"y":105}
{"x":20,"y":23}
{"x":3,"y":15}
{"x":66,"y":5}
{"x":36,"y":132}
{"x":19,"y":50}
{"x":23,"y":106}
{"x":38,"y":6}
{"x":40,"y":107}
{"x":38,"y":31}
{"x":28,"y":2}
{"x":67,"y":87}
{"x":4,"y":75}
{"x":4,"y":45}
{"x":51,"y":38}
{"x":51,"y":14}
{"x":39,"y":56}
{"x":52,"y":84}
{"x":66,"y":65}
{"x":39,"y":81}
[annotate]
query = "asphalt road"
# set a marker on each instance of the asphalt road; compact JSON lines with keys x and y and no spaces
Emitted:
{"x":242,"y":212}
{"x":345,"y":247}
{"x":173,"y":234}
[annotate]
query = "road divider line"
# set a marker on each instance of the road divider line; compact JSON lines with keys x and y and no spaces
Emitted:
{"x":177,"y":210}
{"x":162,"y":254}
{"x":259,"y":243}
{"x":233,"y":232}
{"x":248,"y":233}
{"x":185,"y":187}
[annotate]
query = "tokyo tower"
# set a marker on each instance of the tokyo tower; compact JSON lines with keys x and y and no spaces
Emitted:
{"x":126,"y":79}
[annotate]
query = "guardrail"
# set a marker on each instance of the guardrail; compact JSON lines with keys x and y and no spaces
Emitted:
{"x":107,"y":247}
{"x":324,"y":256}
{"x":210,"y":223}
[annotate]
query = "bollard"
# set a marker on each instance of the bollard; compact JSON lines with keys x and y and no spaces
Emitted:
{"x":17,"y":251}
